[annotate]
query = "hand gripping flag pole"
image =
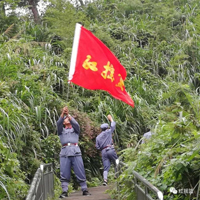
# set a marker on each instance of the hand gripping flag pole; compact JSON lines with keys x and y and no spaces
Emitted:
{"x":93,"y":66}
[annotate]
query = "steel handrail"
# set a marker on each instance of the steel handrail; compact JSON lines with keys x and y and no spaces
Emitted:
{"x":42,"y":185}
{"x":148,"y":186}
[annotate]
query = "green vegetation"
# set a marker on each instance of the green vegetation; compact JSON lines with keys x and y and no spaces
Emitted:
{"x":157,"y":41}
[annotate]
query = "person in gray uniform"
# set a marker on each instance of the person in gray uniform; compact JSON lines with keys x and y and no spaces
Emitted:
{"x":70,"y":154}
{"x":104,"y":143}
{"x":147,"y":136}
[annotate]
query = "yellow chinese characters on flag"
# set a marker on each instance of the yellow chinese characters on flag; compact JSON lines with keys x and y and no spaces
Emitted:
{"x":93,"y":66}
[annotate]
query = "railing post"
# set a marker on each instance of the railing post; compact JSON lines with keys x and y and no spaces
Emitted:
{"x":42,"y":181}
{"x":42,"y":185}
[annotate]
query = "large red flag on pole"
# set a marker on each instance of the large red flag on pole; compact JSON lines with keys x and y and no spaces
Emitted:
{"x":93,"y":66}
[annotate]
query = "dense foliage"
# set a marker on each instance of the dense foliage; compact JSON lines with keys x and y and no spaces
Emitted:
{"x":157,"y":41}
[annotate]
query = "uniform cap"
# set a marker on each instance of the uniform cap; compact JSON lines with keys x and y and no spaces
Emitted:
{"x":104,"y":126}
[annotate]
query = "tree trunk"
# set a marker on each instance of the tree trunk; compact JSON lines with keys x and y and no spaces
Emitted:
{"x":2,"y":9}
{"x":34,"y":10}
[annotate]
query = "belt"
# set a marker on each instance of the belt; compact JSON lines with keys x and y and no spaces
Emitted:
{"x":107,"y":147}
{"x":70,"y":144}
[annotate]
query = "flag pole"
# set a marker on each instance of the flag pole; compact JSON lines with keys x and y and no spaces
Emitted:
{"x":74,"y":51}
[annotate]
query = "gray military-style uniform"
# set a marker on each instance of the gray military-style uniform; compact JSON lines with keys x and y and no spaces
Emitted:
{"x":105,"y":144}
{"x":146,"y":136}
{"x":70,"y":154}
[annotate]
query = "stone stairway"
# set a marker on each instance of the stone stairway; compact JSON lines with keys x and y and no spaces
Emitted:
{"x":97,"y":193}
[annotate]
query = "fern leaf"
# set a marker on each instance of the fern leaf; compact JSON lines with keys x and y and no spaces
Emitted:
{"x":9,"y":30}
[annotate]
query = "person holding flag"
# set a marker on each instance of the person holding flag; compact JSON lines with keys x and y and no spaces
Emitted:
{"x":104,"y":143}
{"x":70,"y":155}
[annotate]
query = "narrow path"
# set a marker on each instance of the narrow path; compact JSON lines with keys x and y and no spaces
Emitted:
{"x":97,"y":193}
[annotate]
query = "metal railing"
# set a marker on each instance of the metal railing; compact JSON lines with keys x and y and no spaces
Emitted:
{"x":143,"y":188}
{"x":42,"y":185}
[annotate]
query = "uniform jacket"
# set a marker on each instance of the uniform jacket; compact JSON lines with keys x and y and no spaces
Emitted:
{"x":105,"y":137}
{"x":69,"y":135}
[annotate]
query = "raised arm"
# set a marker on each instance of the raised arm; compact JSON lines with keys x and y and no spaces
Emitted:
{"x":74,"y":124}
{"x":60,"y":125}
{"x":113,"y":123}
{"x":61,"y":119}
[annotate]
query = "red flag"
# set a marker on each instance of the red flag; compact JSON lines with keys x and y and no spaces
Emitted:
{"x":93,"y":66}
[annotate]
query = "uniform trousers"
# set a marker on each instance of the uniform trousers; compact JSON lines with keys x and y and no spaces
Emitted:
{"x":108,"y":155}
{"x":75,"y":162}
